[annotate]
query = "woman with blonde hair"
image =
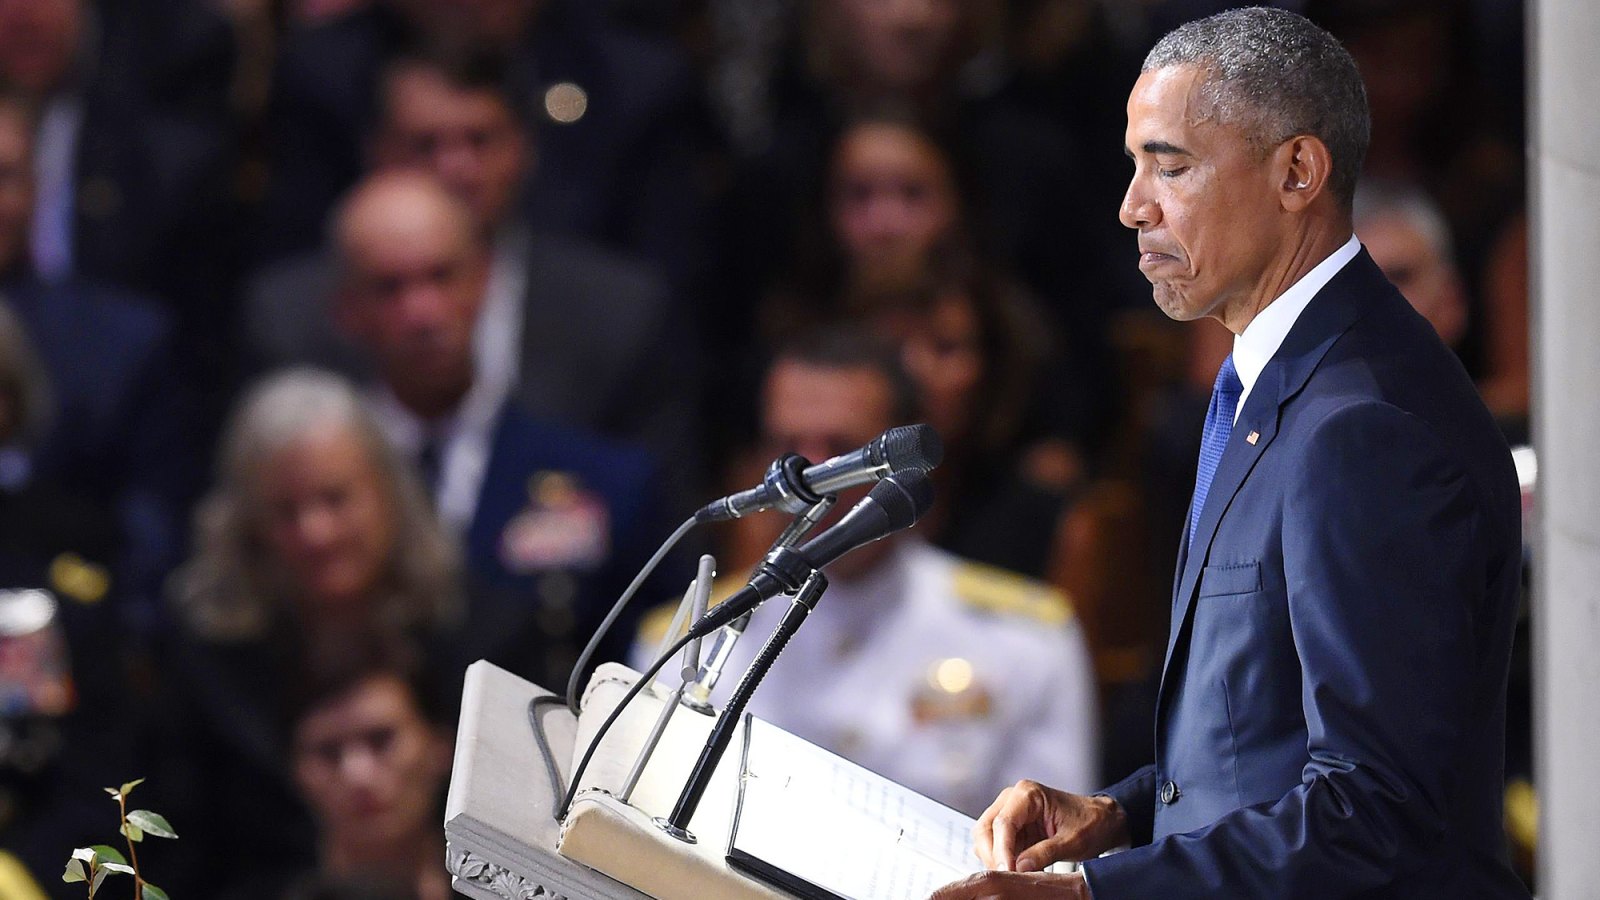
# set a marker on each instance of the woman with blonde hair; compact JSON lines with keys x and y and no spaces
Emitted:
{"x":316,"y":538}
{"x":315,"y":524}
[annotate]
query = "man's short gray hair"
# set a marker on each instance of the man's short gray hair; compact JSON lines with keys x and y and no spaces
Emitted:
{"x":1277,"y":75}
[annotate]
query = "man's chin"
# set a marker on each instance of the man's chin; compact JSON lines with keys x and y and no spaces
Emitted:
{"x":1173,"y":303}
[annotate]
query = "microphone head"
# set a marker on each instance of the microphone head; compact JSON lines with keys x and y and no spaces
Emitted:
{"x":903,"y":496}
{"x":911,"y":447}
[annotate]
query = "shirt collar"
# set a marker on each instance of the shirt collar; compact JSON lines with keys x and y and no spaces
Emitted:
{"x":475,"y":415}
{"x":1260,"y":340}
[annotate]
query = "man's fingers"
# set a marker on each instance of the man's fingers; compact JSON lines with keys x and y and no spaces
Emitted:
{"x":973,"y":887}
{"x":983,"y":831}
{"x":1012,"y":886}
{"x":1050,"y":850}
{"x":1020,"y":808}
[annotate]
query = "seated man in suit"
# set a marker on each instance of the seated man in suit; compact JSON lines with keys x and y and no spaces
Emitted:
{"x":951,"y":677}
{"x":554,"y":521}
{"x":572,"y":326}
{"x":615,"y":116}
{"x":1331,"y":717}
{"x":122,"y":432}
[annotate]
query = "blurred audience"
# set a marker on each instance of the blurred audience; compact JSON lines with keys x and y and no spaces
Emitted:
{"x":948,"y":676}
{"x":921,"y":62}
{"x":553,"y":520}
{"x":123,"y":433}
{"x":315,"y":539}
{"x":569,"y":325}
{"x":370,"y":749}
{"x":977,"y":357}
{"x":134,"y":148}
{"x":614,"y":117}
{"x":895,"y":215}
{"x":64,"y":722}
{"x":1440,"y":122}
{"x":1408,"y":238}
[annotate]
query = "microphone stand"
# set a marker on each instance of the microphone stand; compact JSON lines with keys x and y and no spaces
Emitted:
{"x":805,"y":599}
{"x":697,"y":693}
{"x":698,"y":679}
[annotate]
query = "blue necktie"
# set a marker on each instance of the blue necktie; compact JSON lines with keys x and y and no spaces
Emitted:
{"x":1219,"y":425}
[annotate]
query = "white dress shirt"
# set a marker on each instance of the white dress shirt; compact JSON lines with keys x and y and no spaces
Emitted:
{"x":1260,"y":340}
{"x":497,"y":340}
{"x":465,"y":438}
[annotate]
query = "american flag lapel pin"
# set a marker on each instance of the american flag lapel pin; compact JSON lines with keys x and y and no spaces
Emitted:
{"x":1252,"y":437}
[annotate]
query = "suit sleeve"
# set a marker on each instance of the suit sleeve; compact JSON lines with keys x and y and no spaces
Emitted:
{"x":1384,"y":542}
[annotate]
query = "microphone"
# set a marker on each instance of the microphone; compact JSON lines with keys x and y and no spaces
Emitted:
{"x":895,"y":503}
{"x":793,"y":484}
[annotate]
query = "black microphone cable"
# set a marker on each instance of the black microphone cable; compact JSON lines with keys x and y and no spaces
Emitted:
{"x":617,"y":608}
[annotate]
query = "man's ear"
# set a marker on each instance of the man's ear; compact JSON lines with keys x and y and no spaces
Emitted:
{"x":1306,"y":165}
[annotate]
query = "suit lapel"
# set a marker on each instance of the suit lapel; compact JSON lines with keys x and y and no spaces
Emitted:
{"x":1335,"y":308}
{"x":1260,"y":415}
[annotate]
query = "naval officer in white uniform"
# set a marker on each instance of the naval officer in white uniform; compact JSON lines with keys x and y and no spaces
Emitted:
{"x":953,"y":678}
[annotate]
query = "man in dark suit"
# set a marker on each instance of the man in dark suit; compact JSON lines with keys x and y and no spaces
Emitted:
{"x":1331,"y":716}
{"x":554,"y":521}
{"x":577,"y":329}
{"x":122,"y":430}
{"x":614,"y":113}
{"x":135,"y":146}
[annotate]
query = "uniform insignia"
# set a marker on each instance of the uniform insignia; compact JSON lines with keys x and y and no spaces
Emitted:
{"x":999,"y":592}
{"x":15,"y":882}
{"x":563,"y":526}
{"x":35,"y":669}
{"x":76,"y":578}
{"x":951,"y":691}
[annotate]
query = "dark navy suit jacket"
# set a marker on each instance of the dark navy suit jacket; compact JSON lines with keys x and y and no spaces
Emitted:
{"x":1331,"y":715}
{"x":534,"y":619}
{"x":123,"y":430}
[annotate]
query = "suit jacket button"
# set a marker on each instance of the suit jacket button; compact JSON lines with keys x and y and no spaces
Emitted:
{"x":1170,"y":793}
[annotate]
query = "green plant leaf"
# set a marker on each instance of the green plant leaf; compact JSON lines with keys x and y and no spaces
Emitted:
{"x":129,"y":786}
{"x":105,"y":853}
{"x":151,"y":892}
{"x":131,"y":831}
{"x":95,"y":882}
{"x":119,"y":868}
{"x":75,"y":871}
{"x":113,"y":792}
{"x":152,"y":823}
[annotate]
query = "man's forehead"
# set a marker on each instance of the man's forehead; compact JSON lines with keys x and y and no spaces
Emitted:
{"x":802,"y":397}
{"x":1171,"y":97}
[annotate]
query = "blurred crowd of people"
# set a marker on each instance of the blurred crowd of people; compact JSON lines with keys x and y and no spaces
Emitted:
{"x":345,"y":342}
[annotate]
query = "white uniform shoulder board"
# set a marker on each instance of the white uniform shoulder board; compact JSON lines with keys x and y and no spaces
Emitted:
{"x":653,"y":627}
{"x":999,"y":592}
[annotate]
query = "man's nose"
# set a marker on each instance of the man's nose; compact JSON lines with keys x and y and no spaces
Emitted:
{"x":358,"y":765}
{"x":455,"y":160}
{"x":317,"y":526}
{"x":422,"y":306}
{"x":1138,"y":210}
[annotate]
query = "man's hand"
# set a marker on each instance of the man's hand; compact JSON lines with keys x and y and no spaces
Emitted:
{"x":1015,"y":886}
{"x":1029,"y":826}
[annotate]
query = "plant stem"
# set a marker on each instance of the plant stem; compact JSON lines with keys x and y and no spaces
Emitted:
{"x":133,"y":855}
